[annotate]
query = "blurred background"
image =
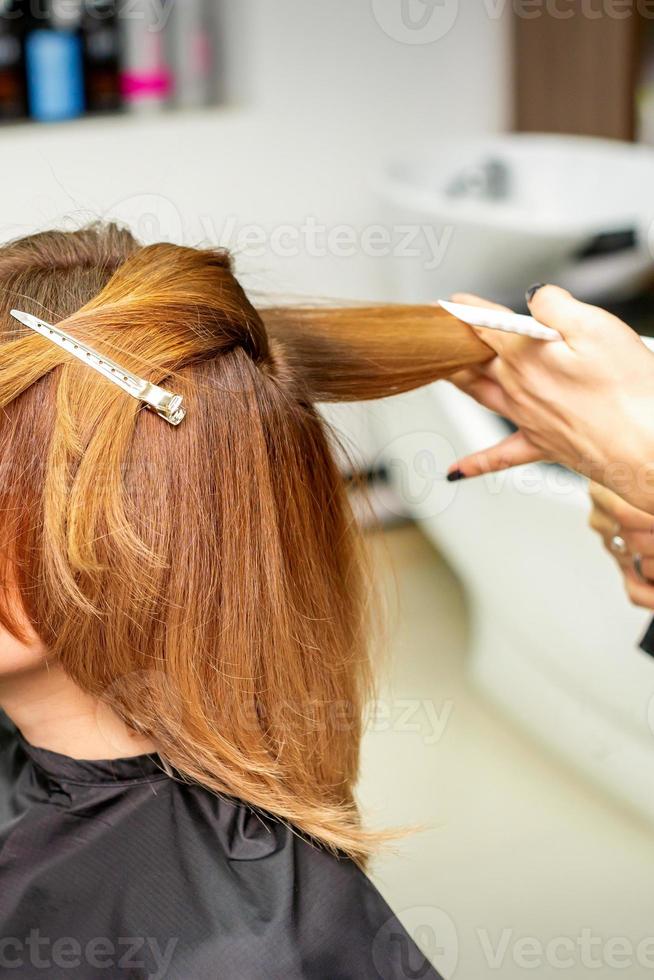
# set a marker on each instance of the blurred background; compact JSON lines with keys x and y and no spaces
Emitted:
{"x":401,"y":150}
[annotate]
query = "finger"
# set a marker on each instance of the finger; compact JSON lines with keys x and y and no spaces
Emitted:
{"x":603,"y":523}
{"x":512,"y":451}
{"x":505,"y":396}
{"x":623,"y":558}
{"x":639,"y":542}
{"x":635,"y":544}
{"x":469,"y":299}
{"x":466,"y":376}
{"x":557,"y":308}
{"x":500,"y":341}
{"x":639,"y":593}
{"x":625,"y":562}
{"x":509,"y":346}
{"x":600,"y":495}
{"x":484,"y":390}
{"x":629,"y":518}
{"x":647,"y":568}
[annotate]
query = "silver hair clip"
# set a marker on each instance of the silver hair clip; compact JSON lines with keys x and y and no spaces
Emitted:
{"x":163,"y":402}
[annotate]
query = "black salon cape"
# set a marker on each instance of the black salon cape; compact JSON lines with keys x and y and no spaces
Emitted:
{"x":114,"y":870}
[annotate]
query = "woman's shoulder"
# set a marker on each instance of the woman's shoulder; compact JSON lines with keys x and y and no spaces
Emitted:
{"x":10,"y":751}
{"x":217,"y":887}
{"x":309,"y":911}
{"x":8,"y":730}
{"x":12,"y":761}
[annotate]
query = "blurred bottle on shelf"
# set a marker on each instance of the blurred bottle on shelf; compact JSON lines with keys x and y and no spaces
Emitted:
{"x":13,"y":93}
{"x":59,"y":58}
{"x":191,"y":49}
{"x":146,"y":82}
{"x":101,"y":36}
{"x":54,"y":63}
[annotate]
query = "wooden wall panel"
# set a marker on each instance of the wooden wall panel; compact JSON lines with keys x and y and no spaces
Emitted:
{"x":576,"y":75}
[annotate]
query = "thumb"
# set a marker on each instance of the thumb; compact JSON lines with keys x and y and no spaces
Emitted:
{"x":515,"y":450}
{"x":557,"y":308}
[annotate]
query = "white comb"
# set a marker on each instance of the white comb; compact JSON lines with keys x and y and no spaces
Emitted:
{"x":526,"y":326}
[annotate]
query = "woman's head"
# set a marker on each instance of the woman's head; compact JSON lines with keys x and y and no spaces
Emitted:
{"x":206,"y":580}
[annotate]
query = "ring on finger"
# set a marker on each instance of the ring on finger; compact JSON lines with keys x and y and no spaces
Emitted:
{"x":618,"y":545}
{"x":638,"y":568}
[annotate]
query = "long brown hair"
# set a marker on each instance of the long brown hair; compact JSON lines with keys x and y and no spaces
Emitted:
{"x":206,"y":581}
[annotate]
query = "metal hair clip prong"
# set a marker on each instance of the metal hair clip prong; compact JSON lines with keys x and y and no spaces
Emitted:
{"x":163,"y":402}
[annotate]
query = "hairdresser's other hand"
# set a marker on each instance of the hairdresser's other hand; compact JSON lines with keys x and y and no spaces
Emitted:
{"x":479,"y":383}
{"x":628,"y":536}
{"x":586,"y":401}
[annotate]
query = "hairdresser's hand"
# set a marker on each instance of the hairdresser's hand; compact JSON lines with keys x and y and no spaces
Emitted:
{"x":586,"y":401}
{"x":628,"y":536}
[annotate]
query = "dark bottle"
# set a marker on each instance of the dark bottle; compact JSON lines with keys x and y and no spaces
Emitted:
{"x":54,"y":62}
{"x":13,"y":94}
{"x":100,"y":30}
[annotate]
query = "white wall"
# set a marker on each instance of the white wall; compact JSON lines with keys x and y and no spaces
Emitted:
{"x":355,"y":59}
{"x":326,"y":94}
{"x":321,"y":95}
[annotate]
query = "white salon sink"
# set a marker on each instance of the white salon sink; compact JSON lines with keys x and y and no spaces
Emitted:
{"x":553,"y":639}
{"x":508,"y":211}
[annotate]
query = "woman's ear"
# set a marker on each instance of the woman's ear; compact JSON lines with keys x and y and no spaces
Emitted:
{"x":19,"y":654}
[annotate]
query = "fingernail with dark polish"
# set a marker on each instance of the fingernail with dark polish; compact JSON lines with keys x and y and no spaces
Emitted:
{"x":531,"y":292}
{"x":455,"y":475}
